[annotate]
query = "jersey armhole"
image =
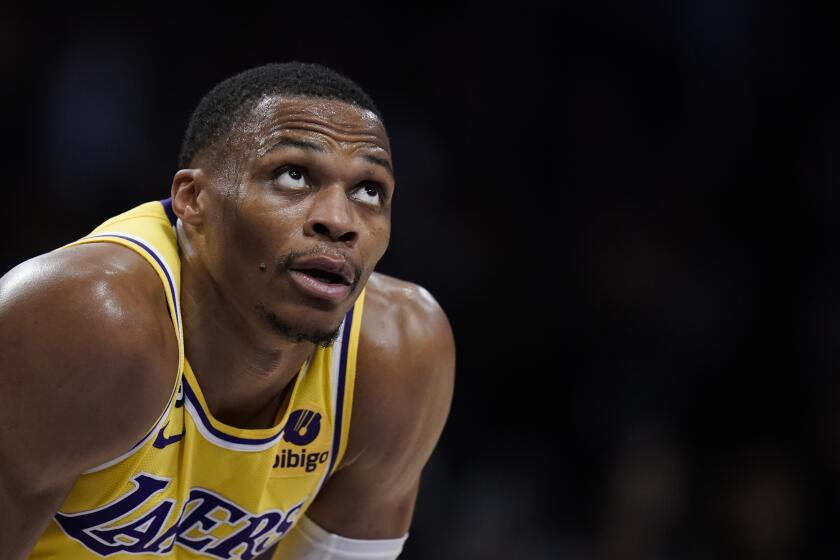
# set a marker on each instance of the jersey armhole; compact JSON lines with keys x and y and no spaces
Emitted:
{"x":347,"y":360}
{"x":153,"y":257}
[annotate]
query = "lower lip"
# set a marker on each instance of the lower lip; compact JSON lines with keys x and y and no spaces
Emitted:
{"x":317,"y":288}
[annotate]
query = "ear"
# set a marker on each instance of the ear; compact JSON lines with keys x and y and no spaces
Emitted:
{"x":187,"y":185}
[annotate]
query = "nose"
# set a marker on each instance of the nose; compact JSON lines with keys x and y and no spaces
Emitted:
{"x":331,"y":216}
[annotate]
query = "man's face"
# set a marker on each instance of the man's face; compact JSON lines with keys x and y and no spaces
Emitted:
{"x":304,"y":201}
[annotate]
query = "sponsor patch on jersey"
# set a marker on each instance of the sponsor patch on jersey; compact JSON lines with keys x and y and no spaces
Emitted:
{"x":139,"y":522}
{"x":305,"y":446}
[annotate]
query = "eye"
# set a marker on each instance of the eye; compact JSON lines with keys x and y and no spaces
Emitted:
{"x":291,"y":178}
{"x":369,"y":193}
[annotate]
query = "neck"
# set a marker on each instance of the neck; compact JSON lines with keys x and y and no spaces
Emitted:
{"x":243,"y":367}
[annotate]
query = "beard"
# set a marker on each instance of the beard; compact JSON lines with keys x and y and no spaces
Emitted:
{"x":296,"y":333}
{"x":325,"y":339}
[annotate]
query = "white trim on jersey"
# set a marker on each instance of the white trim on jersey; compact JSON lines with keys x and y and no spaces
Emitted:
{"x":173,"y":290}
{"x":190,"y":406}
{"x":335,"y":371}
{"x":146,"y":245}
{"x":137,"y":447}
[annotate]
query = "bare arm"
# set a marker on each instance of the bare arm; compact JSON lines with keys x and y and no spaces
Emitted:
{"x":78,"y":385}
{"x":403,"y":393}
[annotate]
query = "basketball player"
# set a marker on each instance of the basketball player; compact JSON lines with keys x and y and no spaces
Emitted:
{"x":220,"y":371}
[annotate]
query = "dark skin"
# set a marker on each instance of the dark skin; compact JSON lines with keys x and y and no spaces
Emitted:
{"x":300,"y":176}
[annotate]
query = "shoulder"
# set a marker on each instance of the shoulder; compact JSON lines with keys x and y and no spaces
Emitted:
{"x":405,"y":375}
{"x":405,"y":370}
{"x":94,"y":294}
{"x":86,"y":350}
{"x":402,"y":313}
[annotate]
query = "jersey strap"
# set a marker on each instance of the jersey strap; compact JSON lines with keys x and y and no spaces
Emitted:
{"x":344,"y":379}
{"x":149,"y":230}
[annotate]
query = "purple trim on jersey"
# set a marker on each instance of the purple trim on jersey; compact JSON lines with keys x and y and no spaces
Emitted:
{"x":155,"y":427}
{"x":174,"y":300}
{"x":157,"y":259}
{"x":167,"y":207}
{"x":190,"y":394}
{"x":339,"y":400}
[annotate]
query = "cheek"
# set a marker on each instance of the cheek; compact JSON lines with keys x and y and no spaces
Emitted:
{"x":263,"y":230}
{"x":379,"y":236}
{"x":249,"y":240}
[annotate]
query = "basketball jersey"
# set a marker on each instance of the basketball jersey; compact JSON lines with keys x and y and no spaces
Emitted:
{"x":195,"y":487}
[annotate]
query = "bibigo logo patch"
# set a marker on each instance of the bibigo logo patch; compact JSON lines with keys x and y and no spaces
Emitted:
{"x":305,"y":445}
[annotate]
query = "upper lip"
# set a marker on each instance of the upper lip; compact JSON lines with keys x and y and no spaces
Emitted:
{"x":335,"y":266}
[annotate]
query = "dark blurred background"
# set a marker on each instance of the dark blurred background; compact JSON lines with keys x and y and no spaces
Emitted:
{"x":627,"y":209}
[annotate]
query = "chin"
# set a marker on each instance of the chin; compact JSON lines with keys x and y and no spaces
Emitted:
{"x":320,"y":334}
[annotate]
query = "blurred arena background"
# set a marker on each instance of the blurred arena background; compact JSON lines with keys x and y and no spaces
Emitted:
{"x":628,"y":211}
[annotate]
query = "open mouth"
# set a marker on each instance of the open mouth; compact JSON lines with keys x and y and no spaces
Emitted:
{"x":324,"y":276}
{"x":320,"y":284}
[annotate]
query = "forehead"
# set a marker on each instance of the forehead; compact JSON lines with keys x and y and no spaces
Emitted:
{"x":328,"y":120}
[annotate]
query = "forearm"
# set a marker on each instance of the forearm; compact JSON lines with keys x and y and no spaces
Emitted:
{"x":25,"y":518}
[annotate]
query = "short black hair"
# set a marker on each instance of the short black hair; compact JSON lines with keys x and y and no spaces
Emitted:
{"x":233,"y":98}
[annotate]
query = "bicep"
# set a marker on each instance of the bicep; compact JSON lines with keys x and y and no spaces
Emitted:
{"x":30,"y":488}
{"x":31,"y":485}
{"x":364,"y":504}
{"x":402,"y":398}
{"x":27,"y":510}
{"x":61,"y":364}
{"x":356,"y":515}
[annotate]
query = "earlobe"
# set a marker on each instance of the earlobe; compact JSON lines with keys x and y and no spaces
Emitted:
{"x":186,"y":187}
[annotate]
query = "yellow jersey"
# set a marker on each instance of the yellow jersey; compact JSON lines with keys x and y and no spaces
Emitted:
{"x":195,"y":487}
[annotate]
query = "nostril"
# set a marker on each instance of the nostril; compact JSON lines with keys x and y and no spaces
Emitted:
{"x":319,"y":228}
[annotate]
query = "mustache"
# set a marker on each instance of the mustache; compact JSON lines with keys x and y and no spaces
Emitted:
{"x":290,"y":259}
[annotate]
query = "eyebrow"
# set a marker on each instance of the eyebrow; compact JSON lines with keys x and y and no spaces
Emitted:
{"x":379,"y":161}
{"x":304,"y":145}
